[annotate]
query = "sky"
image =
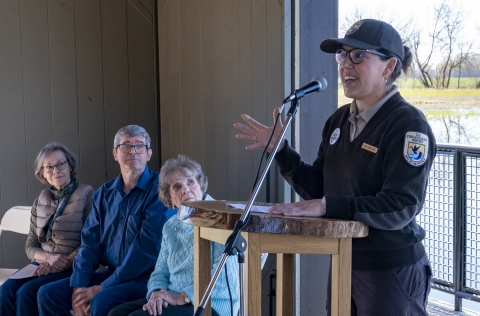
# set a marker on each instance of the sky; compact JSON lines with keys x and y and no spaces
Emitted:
{"x":420,"y":11}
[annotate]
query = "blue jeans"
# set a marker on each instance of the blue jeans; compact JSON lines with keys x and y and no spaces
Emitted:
{"x":19,"y":297}
{"x":56,"y":297}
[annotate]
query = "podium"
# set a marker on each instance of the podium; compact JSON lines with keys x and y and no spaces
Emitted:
{"x":283,"y":235}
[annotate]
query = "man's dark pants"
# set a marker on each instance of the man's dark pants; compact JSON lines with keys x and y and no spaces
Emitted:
{"x":57,"y":296}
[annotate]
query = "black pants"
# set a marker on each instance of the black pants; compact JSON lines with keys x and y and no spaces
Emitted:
{"x":391,"y":292}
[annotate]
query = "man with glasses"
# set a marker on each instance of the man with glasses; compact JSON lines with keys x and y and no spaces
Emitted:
{"x":122,"y":233}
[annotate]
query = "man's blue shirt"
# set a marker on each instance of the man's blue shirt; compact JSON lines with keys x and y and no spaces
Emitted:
{"x":123,"y":231}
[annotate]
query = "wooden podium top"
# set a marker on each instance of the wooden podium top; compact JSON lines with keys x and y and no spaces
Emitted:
{"x":216,"y":214}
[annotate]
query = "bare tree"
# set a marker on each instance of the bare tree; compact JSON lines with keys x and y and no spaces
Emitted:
{"x":444,"y":39}
{"x":450,"y":23}
{"x":432,"y":45}
{"x":451,"y":43}
{"x":460,"y":60}
{"x":349,"y":20}
{"x":438,"y":53}
{"x":424,"y":66}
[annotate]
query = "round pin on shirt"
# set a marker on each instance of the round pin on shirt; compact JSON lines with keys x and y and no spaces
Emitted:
{"x":335,"y":136}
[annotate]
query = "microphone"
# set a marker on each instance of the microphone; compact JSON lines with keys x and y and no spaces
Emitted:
{"x":317,"y":84}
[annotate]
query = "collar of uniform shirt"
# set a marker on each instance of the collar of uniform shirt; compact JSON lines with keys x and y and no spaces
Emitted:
{"x":370,"y":112}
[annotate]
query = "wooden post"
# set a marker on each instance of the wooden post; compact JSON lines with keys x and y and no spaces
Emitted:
{"x":285,"y":284}
{"x":201,"y":254}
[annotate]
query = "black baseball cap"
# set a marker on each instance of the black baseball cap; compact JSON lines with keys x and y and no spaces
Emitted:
{"x":368,"y":34}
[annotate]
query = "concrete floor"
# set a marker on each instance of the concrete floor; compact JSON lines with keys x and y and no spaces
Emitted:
{"x":440,"y":308}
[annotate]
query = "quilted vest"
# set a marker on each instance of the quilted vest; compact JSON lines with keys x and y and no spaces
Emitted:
{"x":68,"y":226}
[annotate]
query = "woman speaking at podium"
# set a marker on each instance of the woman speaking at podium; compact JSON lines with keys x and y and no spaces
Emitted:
{"x":372,"y":166}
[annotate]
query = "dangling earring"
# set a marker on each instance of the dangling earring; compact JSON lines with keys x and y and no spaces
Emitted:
{"x":385,"y":78}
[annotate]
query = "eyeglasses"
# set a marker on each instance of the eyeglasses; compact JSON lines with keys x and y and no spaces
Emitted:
{"x":59,"y":166}
{"x":126,"y":148}
{"x":356,"y":55}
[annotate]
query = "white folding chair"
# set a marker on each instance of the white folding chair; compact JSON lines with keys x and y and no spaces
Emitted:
{"x":16,"y":219}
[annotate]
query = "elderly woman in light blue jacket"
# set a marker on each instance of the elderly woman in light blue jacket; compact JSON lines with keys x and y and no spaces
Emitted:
{"x":170,"y":287}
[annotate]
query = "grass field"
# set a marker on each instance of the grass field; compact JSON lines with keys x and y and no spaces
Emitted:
{"x":434,"y":98}
{"x":412,"y":83}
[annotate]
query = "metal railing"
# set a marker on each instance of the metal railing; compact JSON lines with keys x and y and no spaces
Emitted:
{"x":451,"y":219}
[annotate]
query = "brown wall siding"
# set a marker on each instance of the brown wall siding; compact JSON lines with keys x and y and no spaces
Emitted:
{"x":73,"y":71}
{"x":219,"y":59}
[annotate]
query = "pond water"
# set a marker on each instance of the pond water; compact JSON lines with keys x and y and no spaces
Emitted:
{"x":455,"y":126}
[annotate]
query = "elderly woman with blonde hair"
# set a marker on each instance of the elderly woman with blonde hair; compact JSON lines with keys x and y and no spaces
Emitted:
{"x":58,"y":215}
{"x":170,"y":287}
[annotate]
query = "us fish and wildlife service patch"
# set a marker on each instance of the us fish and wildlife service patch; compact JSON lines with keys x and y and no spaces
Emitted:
{"x":415,"y":149}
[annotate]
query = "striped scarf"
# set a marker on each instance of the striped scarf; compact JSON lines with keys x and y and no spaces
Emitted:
{"x":62,"y":196}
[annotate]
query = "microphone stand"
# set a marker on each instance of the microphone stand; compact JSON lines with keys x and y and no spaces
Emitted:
{"x":236,"y":244}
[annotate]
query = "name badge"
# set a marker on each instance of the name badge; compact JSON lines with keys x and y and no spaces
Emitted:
{"x":371,"y":148}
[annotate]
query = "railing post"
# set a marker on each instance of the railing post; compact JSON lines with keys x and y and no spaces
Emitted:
{"x":458,"y":233}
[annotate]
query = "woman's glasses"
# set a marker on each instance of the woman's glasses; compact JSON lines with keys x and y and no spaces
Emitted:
{"x":59,"y":166}
{"x":356,"y":55}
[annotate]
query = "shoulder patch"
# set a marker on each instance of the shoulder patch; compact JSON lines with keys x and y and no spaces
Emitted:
{"x":415,"y":148}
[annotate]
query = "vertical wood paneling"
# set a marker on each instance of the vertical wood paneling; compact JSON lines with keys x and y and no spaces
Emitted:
{"x":165,"y":97}
{"x":67,"y":67}
{"x":190,"y":120}
{"x":63,"y":70}
{"x":192,"y":47}
{"x":213,"y":67}
{"x":208,"y":90}
{"x":115,"y":76}
{"x":218,"y":138}
{"x":141,"y":52}
{"x":259,"y":61}
{"x":233,"y":99}
{"x":144,"y":8}
{"x":171,"y":127}
{"x":275,"y":78}
{"x":149,"y":6}
{"x":36,"y":82}
{"x":213,"y":94}
{"x":246,"y":159}
{"x":13,"y":176}
{"x":274,"y":48}
{"x":261,"y":111}
{"x":91,"y":132}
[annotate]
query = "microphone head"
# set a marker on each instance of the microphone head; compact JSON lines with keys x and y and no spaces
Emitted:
{"x":322,"y":82}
